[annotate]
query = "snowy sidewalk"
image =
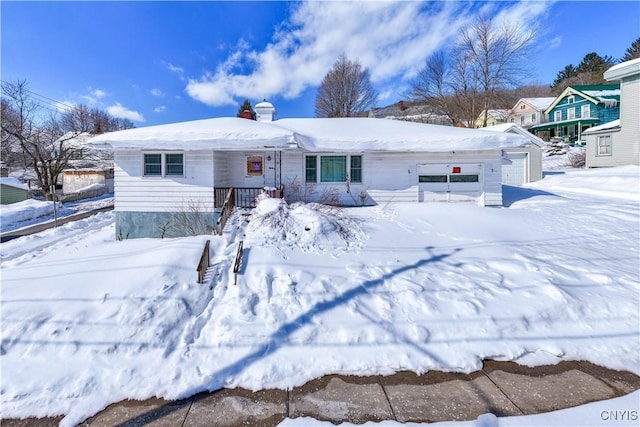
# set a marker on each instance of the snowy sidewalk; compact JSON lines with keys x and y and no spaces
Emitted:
{"x":503,"y":389}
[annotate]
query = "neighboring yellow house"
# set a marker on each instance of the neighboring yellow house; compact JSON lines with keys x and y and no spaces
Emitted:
{"x":494,"y":117}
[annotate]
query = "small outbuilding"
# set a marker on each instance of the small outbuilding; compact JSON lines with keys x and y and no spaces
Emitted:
{"x":525,"y":163}
{"x":159,"y":170}
{"x":12,"y":190}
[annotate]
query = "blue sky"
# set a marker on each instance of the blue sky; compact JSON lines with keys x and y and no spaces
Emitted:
{"x":159,"y":62}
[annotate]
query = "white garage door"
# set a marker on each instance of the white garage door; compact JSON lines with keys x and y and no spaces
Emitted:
{"x":449,"y":182}
{"x":517,"y":172}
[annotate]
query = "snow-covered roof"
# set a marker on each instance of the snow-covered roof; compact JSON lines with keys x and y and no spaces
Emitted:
{"x":224,"y":133}
{"x":367,"y":134}
{"x":607,"y":94}
{"x":605,"y":126}
{"x":14,"y":182}
{"x":623,"y":69}
{"x":539,"y":103}
{"x":514,"y":128}
{"x":316,"y":134}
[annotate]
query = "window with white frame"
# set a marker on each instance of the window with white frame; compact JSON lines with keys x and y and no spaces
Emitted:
{"x":557,"y":116}
{"x":571,"y":113}
{"x":333,"y":168}
{"x":604,"y":145}
{"x":571,"y":99}
{"x":521,"y":120}
{"x":163,"y":164}
{"x":585,"y":111}
{"x":533,"y":117}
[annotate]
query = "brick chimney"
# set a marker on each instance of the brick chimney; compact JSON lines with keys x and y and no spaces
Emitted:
{"x":401,"y":106}
{"x":246,"y":114}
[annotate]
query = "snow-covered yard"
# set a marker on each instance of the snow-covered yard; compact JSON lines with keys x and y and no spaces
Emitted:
{"x":88,"y":320}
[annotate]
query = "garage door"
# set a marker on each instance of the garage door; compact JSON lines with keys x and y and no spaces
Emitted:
{"x":517,"y":172}
{"x":449,"y":182}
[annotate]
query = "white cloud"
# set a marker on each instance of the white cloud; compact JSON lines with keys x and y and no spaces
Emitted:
{"x":156,"y":92}
{"x":121,"y":112}
{"x":94,"y":96}
{"x":159,"y":109}
{"x":391,"y":39}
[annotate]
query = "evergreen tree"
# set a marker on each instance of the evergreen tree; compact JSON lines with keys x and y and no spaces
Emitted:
{"x":246,"y":105}
{"x":632,"y":52}
{"x":590,"y":71}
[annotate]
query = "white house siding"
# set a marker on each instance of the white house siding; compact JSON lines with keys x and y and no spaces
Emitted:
{"x":625,"y":141}
{"x":233,"y":169}
{"x":144,"y":204}
{"x":393,"y":177}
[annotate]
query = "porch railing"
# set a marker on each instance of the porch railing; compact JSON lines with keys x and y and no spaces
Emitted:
{"x":244,"y":197}
{"x":227,"y":210}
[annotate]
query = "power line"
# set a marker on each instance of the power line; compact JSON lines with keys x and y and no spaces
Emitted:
{"x":58,"y":106}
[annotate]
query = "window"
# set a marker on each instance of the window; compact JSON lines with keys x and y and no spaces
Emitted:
{"x":521,"y":120}
{"x":163,"y":164}
{"x":463,"y":178}
{"x":174,"y":164}
{"x":333,"y":168}
{"x":311,"y":169}
{"x":557,"y":116}
{"x":356,"y":169}
{"x":585,"y":111}
{"x":533,"y":118}
{"x":571,"y":113}
{"x":153,"y":164}
{"x":254,"y":166}
{"x":432,"y":178}
{"x":571,"y":99}
{"x":604,"y":145}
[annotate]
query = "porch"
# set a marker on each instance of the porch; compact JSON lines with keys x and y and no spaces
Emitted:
{"x":244,"y":197}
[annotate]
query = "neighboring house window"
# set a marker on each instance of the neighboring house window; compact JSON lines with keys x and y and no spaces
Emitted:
{"x":153,"y":164}
{"x":557,"y":116}
{"x":163,"y":164}
{"x":533,"y":118}
{"x":333,"y":168}
{"x":604,"y":145}
{"x":586,"y":111}
{"x":77,"y":155}
{"x":522,"y":120}
{"x":571,"y":100}
{"x":571,"y":113}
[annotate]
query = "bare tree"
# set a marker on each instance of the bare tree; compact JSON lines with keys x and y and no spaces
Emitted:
{"x":40,"y":140}
{"x":469,"y":78}
{"x":346,"y":90}
{"x":95,"y":121}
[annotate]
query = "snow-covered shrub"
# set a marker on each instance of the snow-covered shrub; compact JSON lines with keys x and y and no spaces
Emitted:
{"x":577,"y":158}
{"x":312,"y":227}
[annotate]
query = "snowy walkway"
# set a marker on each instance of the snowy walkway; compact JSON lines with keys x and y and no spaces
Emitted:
{"x":502,"y":393}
